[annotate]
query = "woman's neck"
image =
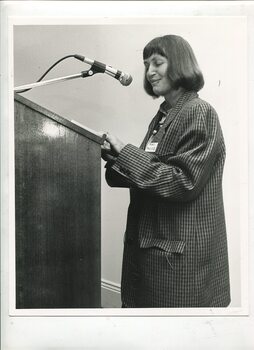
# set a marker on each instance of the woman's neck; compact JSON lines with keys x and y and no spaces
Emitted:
{"x":172,"y":97}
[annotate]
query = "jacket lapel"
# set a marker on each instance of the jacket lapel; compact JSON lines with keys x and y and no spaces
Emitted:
{"x":170,"y":115}
{"x":173,"y":112}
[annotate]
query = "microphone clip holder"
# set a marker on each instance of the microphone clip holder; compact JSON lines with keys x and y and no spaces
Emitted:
{"x":93,"y":70}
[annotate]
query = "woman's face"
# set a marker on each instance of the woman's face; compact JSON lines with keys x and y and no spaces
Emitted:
{"x":156,"y":73}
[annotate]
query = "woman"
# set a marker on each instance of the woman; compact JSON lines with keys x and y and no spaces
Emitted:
{"x":175,"y":252}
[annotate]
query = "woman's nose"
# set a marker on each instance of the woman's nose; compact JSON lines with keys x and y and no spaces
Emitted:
{"x":150,"y":71}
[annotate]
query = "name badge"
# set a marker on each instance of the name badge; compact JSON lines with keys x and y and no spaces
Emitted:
{"x":151,"y":147}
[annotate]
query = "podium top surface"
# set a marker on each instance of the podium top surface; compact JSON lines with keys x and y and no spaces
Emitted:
{"x":61,"y":120}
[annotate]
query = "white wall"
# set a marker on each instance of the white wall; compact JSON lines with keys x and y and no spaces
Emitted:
{"x":102,"y":103}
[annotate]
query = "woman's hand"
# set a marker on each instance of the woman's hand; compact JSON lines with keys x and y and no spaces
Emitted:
{"x":106,"y":152}
{"x":111,"y":147}
{"x":116,"y":145}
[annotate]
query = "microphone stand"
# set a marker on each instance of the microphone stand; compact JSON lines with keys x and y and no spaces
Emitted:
{"x":84,"y":74}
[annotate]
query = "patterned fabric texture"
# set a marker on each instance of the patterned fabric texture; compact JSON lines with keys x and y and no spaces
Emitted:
{"x":175,"y":252}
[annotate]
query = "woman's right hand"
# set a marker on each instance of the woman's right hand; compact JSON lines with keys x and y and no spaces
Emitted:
{"x":106,"y":152}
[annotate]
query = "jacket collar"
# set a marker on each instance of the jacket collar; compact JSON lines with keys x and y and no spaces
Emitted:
{"x":173,"y":111}
{"x":170,"y":114}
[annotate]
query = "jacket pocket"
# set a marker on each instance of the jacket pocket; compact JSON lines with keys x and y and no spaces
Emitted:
{"x":157,"y":252}
{"x":163,"y":244}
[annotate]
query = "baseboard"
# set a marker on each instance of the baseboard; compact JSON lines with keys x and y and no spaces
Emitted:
{"x":110,"y":294}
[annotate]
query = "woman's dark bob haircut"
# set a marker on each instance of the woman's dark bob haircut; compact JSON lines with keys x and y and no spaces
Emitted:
{"x":183,"y":69}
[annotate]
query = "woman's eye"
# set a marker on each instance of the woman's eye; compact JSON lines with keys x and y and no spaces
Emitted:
{"x":157,"y":63}
{"x":153,"y":64}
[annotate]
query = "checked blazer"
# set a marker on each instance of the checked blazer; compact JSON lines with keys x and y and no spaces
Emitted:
{"x":175,"y":251}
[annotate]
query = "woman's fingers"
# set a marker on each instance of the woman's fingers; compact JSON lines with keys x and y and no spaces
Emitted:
{"x":106,"y":146}
{"x":115,"y":143}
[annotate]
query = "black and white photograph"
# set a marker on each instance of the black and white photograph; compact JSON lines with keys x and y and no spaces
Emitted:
{"x":180,"y":235}
{"x":127,"y":169}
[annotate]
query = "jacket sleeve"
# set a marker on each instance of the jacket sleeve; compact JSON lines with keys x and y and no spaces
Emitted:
{"x":116,"y":178}
{"x":180,"y":176}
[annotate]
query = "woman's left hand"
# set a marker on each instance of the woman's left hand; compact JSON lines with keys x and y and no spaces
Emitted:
{"x":116,"y":144}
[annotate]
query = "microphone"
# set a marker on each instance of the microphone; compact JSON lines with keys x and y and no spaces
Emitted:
{"x":124,"y":78}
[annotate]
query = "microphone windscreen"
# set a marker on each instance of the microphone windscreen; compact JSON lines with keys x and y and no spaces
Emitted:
{"x":125,"y":79}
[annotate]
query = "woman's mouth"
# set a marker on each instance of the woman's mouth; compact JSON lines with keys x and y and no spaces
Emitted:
{"x":154,"y":82}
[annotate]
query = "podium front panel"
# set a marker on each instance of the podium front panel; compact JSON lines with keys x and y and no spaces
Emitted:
{"x":57,"y":203}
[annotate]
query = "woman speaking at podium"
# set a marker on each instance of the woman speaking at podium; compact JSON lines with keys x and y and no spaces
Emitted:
{"x":175,"y":249}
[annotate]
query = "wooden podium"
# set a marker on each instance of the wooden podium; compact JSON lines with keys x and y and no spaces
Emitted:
{"x":57,"y":204}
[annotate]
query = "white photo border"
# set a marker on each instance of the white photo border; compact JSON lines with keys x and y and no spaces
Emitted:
{"x":17,"y":16}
